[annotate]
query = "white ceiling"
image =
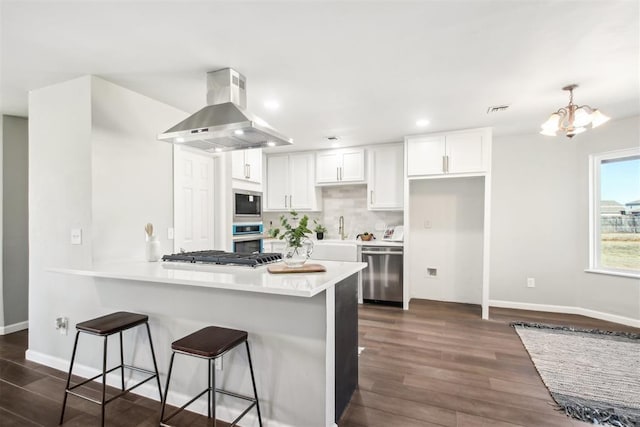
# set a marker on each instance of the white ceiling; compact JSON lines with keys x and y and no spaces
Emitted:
{"x":365,"y":71}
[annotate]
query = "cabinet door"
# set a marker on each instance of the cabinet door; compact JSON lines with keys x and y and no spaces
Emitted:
{"x":278,"y":182}
{"x":327,"y":164}
{"x":301,"y":185}
{"x":465,"y":153}
{"x":238,"y":165}
{"x":253,"y":158}
{"x":386,"y":178}
{"x":352,"y":166}
{"x":425,"y":155}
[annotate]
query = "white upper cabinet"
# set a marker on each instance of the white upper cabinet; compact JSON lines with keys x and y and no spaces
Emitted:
{"x":340,"y":166}
{"x":277,"y":182}
{"x":246,"y":165}
{"x":290,"y":182}
{"x":456,"y":153}
{"x":385,"y":183}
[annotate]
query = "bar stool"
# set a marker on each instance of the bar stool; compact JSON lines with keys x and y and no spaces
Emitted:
{"x":106,"y":326}
{"x":210,"y":343}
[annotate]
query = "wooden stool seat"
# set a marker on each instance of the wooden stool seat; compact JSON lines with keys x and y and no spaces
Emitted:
{"x":210,"y":342}
{"x":112,"y":323}
{"x":104,"y":327}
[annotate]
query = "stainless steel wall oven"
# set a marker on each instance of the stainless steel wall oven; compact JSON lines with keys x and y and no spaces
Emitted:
{"x":247,"y":238}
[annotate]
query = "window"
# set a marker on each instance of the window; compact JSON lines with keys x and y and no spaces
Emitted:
{"x":615,"y":212}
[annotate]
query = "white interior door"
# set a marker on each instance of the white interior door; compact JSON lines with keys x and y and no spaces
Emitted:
{"x":193,"y":200}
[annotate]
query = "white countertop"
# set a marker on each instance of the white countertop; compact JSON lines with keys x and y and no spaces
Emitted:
{"x":377,"y":242}
{"x":238,"y":278}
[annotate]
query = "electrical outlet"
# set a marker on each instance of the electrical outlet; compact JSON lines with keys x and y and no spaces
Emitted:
{"x":531,"y":282}
{"x":218,"y":363}
{"x":76,"y":236}
{"x":62,"y":325}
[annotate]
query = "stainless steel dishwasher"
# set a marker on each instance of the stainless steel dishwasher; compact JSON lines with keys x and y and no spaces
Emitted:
{"x":382,"y":279}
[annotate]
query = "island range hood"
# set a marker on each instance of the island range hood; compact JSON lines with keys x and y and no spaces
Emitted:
{"x":224,"y":124}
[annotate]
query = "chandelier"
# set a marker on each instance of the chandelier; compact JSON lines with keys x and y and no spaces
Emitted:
{"x":573,"y":119}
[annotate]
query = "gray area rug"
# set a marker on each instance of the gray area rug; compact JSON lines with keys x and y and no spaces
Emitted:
{"x":593,"y":375}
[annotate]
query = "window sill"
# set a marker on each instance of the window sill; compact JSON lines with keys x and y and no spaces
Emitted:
{"x":613,"y":273}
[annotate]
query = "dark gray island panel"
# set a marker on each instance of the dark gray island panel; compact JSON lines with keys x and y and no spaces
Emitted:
{"x":346,"y":317}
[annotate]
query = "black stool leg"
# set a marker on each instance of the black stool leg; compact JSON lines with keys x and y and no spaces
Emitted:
{"x":121,"y":361}
{"x":73,"y":356}
{"x":209,"y":390}
{"x":212,"y":391}
{"x":104,"y":380}
{"x":153,"y":357}
{"x":253,"y":382}
{"x":166,"y":389}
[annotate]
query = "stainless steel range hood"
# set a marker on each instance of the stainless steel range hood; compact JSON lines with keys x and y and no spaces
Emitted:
{"x":224,"y":124}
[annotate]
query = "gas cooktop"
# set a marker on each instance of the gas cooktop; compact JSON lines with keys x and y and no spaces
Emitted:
{"x":224,"y":258}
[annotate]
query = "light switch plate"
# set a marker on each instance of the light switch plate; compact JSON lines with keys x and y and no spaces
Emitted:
{"x":76,"y":236}
{"x":170,"y":233}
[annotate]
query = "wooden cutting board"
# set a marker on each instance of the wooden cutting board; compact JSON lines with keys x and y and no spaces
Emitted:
{"x":307,"y":268}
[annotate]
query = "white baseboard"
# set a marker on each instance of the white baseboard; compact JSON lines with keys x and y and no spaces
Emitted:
{"x":149,"y":390}
{"x":568,"y":310}
{"x":9,"y":329}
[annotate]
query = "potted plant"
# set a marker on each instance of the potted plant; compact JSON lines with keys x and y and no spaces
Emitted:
{"x":319,"y":229}
{"x":298,"y":245}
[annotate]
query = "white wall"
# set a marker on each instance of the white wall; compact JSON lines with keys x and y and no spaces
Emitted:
{"x":453,"y":244}
{"x":132,"y":180}
{"x":540,"y":222}
{"x":1,"y":236}
{"x":15,"y":250}
{"x":92,"y":165}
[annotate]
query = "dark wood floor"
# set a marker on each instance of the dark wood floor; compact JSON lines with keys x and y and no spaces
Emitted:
{"x":436,"y":364}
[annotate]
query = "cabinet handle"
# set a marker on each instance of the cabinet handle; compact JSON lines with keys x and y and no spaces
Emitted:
{"x":337,"y":174}
{"x":447,"y":164}
{"x":285,"y":200}
{"x":290,"y":201}
{"x":444,"y":164}
{"x":371,"y":198}
{"x":340,"y":173}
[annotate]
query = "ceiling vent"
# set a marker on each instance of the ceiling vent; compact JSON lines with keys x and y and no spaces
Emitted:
{"x":497,"y":109}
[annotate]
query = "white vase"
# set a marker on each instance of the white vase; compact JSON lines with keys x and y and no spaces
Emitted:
{"x":295,"y":257}
{"x":152,"y":249}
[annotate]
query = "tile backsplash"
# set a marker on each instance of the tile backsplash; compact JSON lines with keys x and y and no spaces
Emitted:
{"x":350,"y":202}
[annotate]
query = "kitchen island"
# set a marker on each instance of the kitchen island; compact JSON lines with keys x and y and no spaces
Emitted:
{"x":302,"y":331}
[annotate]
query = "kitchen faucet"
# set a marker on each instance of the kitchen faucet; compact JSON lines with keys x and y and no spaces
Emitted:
{"x":341,"y":227}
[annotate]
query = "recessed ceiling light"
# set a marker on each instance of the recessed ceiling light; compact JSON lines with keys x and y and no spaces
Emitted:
{"x":271,"y":104}
{"x":238,"y":132}
{"x":422,"y":123}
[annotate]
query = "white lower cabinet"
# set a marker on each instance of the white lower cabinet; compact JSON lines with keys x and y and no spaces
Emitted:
{"x":385,"y":183}
{"x":290,"y":182}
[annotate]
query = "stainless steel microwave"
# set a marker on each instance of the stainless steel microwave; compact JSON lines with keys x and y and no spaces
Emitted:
{"x":247,"y":206}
